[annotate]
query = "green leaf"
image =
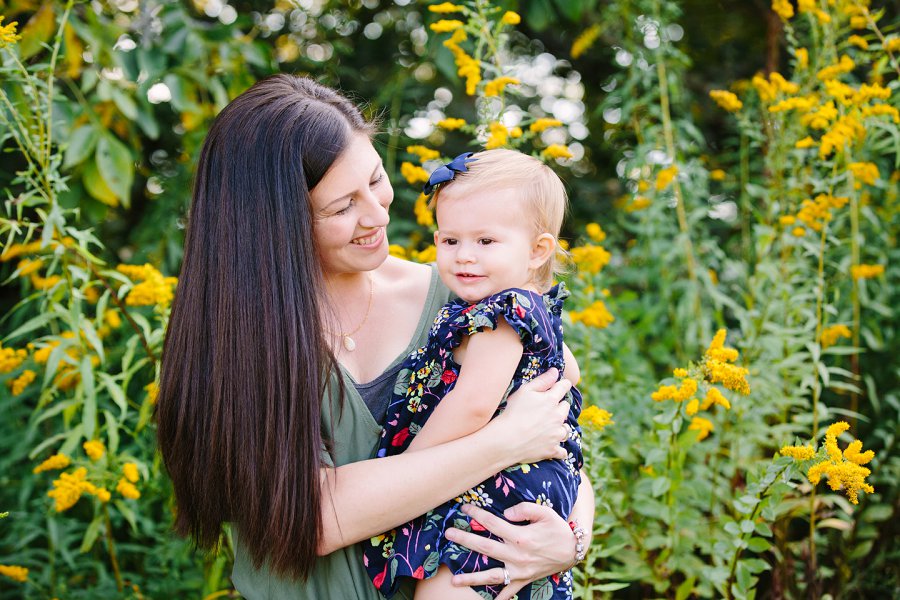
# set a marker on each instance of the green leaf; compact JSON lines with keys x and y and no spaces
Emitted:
{"x":685,"y":589}
{"x":125,"y":104}
{"x":96,"y":186}
{"x":610,"y":587}
{"x":90,"y":535}
{"x":37,"y":31}
{"x":89,"y":411}
{"x":116,"y":166}
{"x":30,"y":325}
{"x":402,"y":382}
{"x":758,"y":544}
{"x":112,"y":432}
{"x":115,"y":392}
{"x":127,"y":512}
{"x":660,"y":486}
{"x":80,"y":145}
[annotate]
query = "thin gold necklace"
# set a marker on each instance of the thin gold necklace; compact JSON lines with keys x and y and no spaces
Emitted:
{"x":347,"y":341}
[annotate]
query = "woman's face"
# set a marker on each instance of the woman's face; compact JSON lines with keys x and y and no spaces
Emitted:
{"x":350,"y":208}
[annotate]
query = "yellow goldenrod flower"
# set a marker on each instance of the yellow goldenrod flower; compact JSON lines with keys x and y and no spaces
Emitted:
{"x":717,"y":349}
{"x":498,"y":136}
{"x":127,"y":489}
{"x":717,"y":175}
{"x":424,"y":215}
{"x":544,"y":123}
{"x":428,"y":255}
{"x":8,"y":33}
{"x":802,"y":55}
{"x":152,"y":390}
{"x":595,"y":418}
{"x":18,"y":385}
{"x":446,"y":25}
{"x":866,"y":271}
{"x":450,"y":123}
{"x":799,"y":453}
{"x":783,"y":9}
{"x":54,"y":463}
{"x":891,"y":44}
{"x":112,"y":318}
{"x":731,"y":376}
{"x":704,"y":426}
{"x":130,"y":471}
{"x":590,"y":258}
{"x":510,"y":18}
{"x":864,"y":171}
{"x":154,"y":289}
{"x":585,"y":40}
{"x":423,"y":153}
{"x":843,"y":133}
{"x":556,"y":151}
{"x":515,"y":132}
{"x":445,"y":7}
{"x":94,"y":449}
{"x":692,"y":407}
{"x":858,"y":41}
{"x":643,"y":185}
{"x":665,"y":177}
{"x":68,"y":489}
{"x":806,"y":142}
{"x":727,"y":100}
{"x":843,"y":469}
{"x":596,"y":315}
{"x":11,"y":358}
{"x":680,"y":373}
{"x":414,"y":174}
{"x":595,"y":232}
{"x":858,"y":22}
{"x":680,"y":393}
{"x":844,"y":65}
{"x":831,"y":334}
{"x":639,"y":203}
{"x":713,"y":277}
{"x":787,"y":220}
{"x":714,"y":396}
{"x":495,"y":87}
{"x":397,"y":250}
{"x":853,"y":454}
{"x":801,"y":103}
{"x":28,"y":266}
{"x":14,"y":572}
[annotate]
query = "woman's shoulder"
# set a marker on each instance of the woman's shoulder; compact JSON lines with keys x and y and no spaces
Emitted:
{"x":403,"y":276}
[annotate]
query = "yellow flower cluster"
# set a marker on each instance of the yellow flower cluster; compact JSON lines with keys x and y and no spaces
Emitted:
{"x":878,"y":110}
{"x":10,"y":358}
{"x":816,"y":213}
{"x":769,"y":89}
{"x":665,"y":177}
{"x":451,"y":124}
{"x":466,"y":66}
{"x":843,"y":469}
{"x":866,"y":271}
{"x":540,"y":125}
{"x":426,"y":255}
{"x":496,"y":86}
{"x":14,"y":572}
{"x":423,"y":153}
{"x":94,"y":449}
{"x":595,"y":418}
{"x":717,"y":366}
{"x":679,"y":393}
{"x":843,"y":133}
{"x":8,"y":33}
{"x":69,"y":488}
{"x":783,"y":8}
{"x":445,"y":7}
{"x":152,"y":388}
{"x":446,"y":25}
{"x":585,"y":40}
{"x":595,"y":232}
{"x":18,"y":385}
{"x":595,"y":315}
{"x":844,"y":65}
{"x":424,"y":215}
{"x":590,"y":258}
{"x":153,"y":289}
{"x":831,"y":334}
{"x":638,"y":203}
{"x":799,"y":453}
{"x":130,"y":476}
{"x":810,"y":6}
{"x":727,"y":100}
{"x":511,"y":18}
{"x":800,"y":103}
{"x":499,"y":135}
{"x":703,"y":426}
{"x":865,"y":172}
{"x":556,"y":151}
{"x":54,"y":463}
{"x":414,"y":174}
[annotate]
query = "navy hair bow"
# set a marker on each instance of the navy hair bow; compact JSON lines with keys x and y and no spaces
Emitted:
{"x":447,"y":172}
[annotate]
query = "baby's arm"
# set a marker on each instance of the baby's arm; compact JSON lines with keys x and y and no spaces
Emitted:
{"x":572,"y":372}
{"x":489,"y":364}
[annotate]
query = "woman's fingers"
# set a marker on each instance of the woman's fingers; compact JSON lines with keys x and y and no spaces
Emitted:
{"x":478,"y":543}
{"x":489,"y":577}
{"x":491,"y":522}
{"x":529,"y":511}
{"x":544,"y":381}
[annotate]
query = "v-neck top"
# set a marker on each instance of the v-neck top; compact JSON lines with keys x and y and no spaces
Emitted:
{"x":355,"y":431}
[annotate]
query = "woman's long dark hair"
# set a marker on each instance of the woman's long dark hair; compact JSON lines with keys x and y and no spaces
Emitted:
{"x":245,"y":363}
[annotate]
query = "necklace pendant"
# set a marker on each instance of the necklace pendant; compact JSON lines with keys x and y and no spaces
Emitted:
{"x":349,"y":344}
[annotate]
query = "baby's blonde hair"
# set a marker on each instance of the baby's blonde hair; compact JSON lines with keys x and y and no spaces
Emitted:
{"x":541,"y":190}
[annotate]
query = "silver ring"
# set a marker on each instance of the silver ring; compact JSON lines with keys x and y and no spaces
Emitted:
{"x":505,"y":576}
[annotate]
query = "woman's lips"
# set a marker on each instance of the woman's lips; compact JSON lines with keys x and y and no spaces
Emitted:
{"x":369,"y":241}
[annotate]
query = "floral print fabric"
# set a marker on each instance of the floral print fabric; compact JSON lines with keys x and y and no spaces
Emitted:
{"x":417,"y":548}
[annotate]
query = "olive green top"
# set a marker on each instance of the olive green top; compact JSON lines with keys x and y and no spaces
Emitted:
{"x":340,"y":575}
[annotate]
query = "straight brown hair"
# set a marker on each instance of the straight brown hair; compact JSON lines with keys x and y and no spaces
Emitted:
{"x":245,"y":364}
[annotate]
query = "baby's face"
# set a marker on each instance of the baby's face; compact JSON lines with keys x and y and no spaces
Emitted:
{"x":485,"y":242}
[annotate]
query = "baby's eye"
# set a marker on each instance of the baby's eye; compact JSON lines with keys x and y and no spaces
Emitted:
{"x":449,"y":241}
{"x":485,"y":241}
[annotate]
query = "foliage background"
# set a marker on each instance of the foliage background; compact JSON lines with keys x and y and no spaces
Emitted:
{"x":136,"y":87}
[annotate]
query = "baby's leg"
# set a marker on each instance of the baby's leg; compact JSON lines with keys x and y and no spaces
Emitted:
{"x":439,"y":587}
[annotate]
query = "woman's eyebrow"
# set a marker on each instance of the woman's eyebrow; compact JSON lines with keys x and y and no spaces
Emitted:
{"x":350,"y":193}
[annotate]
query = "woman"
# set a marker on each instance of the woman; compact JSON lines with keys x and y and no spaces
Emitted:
{"x":289,"y":312}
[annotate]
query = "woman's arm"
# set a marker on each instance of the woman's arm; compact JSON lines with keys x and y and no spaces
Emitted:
{"x":546,"y":545}
{"x":369,"y":497}
{"x":490,"y":362}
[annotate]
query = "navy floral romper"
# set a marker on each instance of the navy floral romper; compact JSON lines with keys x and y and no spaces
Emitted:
{"x":417,"y":548}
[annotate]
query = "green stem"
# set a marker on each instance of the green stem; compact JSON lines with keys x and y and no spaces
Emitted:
{"x":111,"y":548}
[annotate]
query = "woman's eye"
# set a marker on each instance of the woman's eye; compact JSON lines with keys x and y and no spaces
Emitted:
{"x":377,"y":180}
{"x":344,"y":210}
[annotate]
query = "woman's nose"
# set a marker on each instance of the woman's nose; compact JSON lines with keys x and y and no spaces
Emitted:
{"x":376,"y":214}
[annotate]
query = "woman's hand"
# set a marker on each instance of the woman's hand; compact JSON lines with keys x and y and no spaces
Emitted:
{"x":533,"y":424}
{"x":539,"y":549}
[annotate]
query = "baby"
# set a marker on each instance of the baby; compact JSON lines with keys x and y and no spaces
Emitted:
{"x":498,"y":213}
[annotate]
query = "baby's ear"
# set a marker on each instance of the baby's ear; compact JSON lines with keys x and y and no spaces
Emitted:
{"x":436,"y":237}
{"x":542,"y":250}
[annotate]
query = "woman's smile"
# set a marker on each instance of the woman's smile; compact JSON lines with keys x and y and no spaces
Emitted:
{"x":372,"y":240}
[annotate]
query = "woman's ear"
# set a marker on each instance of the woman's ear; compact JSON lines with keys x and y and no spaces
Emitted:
{"x":542,"y":250}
